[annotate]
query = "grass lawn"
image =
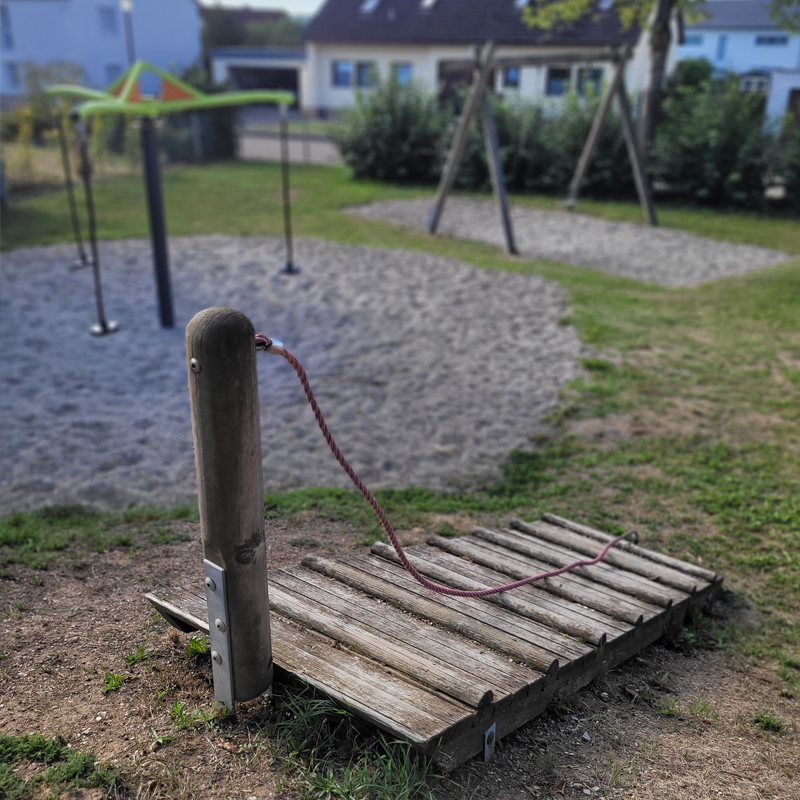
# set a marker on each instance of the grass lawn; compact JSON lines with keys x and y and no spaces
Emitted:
{"x":686,"y":427}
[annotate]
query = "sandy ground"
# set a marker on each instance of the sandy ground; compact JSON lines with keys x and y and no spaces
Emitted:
{"x":654,"y":255}
{"x":428,"y":370}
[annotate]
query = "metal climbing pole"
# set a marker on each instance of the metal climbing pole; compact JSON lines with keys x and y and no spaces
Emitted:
{"x":158,"y":229}
{"x":103,"y":325}
{"x":289,"y":268}
{"x":83,"y":259}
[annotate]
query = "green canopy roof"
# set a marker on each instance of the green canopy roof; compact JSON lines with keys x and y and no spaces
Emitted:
{"x":124,"y":96}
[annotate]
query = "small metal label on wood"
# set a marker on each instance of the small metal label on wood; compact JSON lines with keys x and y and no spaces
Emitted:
{"x":219,"y":635}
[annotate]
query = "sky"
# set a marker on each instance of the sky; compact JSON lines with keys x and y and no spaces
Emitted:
{"x":296,"y":8}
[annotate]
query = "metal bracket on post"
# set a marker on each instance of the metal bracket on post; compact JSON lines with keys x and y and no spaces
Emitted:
{"x":219,"y":634}
{"x":489,"y":741}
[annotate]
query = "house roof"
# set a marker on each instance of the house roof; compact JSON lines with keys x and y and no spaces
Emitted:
{"x":736,"y":15}
{"x":456,"y":22}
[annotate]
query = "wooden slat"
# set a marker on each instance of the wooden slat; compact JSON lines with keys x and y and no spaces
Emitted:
{"x":569,"y":585}
{"x":305,"y":603}
{"x":398,"y":594}
{"x":565,"y":648}
{"x":619,"y":558}
{"x":369,"y":689}
{"x":617,"y":578}
{"x":496,"y":670}
{"x":659,"y":558}
{"x":455,"y":572}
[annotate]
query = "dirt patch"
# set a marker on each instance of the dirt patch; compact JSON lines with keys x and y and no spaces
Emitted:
{"x":62,"y":630}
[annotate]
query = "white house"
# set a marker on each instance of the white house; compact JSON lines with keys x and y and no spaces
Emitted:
{"x":351,"y":42}
{"x":92,"y":33}
{"x":740,"y":36}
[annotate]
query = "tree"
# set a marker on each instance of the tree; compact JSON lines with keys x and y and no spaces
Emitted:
{"x":283,"y":32}
{"x":656,"y":16}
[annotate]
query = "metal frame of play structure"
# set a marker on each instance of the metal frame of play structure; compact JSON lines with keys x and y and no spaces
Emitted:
{"x":477,"y":102}
{"x":124,"y":96}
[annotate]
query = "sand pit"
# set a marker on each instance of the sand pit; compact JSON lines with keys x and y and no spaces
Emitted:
{"x":429,"y":370}
{"x":663,"y":256}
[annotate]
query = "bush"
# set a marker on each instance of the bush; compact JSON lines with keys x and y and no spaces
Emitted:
{"x":711,"y":146}
{"x":401,"y":133}
{"x":393,"y":133}
{"x":789,"y":165}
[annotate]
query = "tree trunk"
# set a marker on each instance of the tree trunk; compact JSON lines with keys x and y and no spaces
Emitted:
{"x":660,"y":37}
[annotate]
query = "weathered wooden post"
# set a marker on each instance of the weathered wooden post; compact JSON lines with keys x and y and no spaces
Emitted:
{"x":221,"y":356}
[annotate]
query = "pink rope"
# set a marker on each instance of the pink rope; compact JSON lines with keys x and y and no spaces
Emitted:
{"x":262,"y":343}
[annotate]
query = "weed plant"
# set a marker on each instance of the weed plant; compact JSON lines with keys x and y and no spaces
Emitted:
{"x":332,"y":755}
{"x":62,"y":767}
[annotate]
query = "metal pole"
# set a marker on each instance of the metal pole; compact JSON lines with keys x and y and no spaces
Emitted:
{"x":289,"y":268}
{"x":83,"y":259}
{"x":102,"y":326}
{"x":158,"y":229}
{"x":223,"y":386}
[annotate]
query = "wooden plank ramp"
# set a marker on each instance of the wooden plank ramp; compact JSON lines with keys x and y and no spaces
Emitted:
{"x":440,"y":671}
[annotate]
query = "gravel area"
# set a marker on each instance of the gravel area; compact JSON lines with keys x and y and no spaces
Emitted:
{"x":429,"y":370}
{"x":654,"y":255}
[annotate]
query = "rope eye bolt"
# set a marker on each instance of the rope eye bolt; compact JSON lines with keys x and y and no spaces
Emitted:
{"x":269,"y":345}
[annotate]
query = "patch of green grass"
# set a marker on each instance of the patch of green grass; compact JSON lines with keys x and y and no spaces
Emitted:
{"x":198,"y":646}
{"x":135,"y":656}
{"x":62,"y":768}
{"x":34,"y":538}
{"x":332,"y":755}
{"x":166,"y":534}
{"x":766,"y":721}
{"x":112,"y":681}
{"x":671,"y":707}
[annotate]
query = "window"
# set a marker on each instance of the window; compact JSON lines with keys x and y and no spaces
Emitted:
{"x":366,"y":74}
{"x":5,"y":28}
{"x":772,"y":40}
{"x":108,"y":19}
{"x":722,"y":44}
{"x":368,"y":6}
{"x":113,"y":71}
{"x":342,"y":73}
{"x":557,"y":81}
{"x":590,"y":79}
{"x":12,"y":74}
{"x":692,"y":40}
{"x":403,"y":73}
{"x":511,"y":78}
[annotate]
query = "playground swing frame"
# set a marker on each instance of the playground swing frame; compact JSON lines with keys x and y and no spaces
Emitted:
{"x":478,"y":102}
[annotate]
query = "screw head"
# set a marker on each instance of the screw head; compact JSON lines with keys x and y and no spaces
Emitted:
{"x":211,"y":585}
{"x":220,"y":625}
{"x":216,"y":657}
{"x":194,"y":365}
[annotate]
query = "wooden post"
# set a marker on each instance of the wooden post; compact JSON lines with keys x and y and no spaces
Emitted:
{"x":496,"y":173}
{"x":594,"y":135}
{"x":223,"y":385}
{"x":635,"y":155}
{"x":473,"y":104}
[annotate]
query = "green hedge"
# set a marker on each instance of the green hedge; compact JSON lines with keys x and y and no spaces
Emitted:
{"x":711,"y":145}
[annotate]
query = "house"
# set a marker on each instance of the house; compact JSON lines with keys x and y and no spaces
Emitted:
{"x":740,"y":36}
{"x":350,"y":43}
{"x":93,"y":34}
